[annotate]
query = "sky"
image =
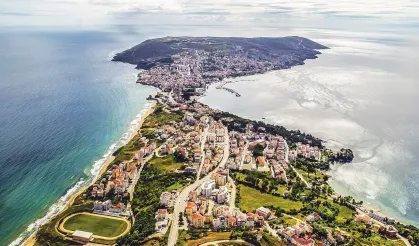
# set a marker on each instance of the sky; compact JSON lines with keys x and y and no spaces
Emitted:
{"x":91,"y":13}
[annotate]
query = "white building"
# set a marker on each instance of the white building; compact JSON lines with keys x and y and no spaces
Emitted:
{"x":102,"y":206}
{"x":207,"y":187}
{"x":165,"y":198}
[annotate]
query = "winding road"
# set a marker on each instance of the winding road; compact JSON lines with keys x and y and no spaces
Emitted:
{"x":183,"y":196}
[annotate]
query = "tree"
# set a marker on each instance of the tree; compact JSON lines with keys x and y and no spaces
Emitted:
{"x":265,"y":185}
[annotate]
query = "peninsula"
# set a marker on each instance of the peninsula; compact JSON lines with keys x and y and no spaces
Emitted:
{"x":193,"y":175}
{"x":187,"y":64}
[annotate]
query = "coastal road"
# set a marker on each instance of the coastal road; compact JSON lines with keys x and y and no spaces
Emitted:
{"x":181,"y":200}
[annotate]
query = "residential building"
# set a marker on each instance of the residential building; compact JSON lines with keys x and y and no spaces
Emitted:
{"x":161,"y":214}
{"x":102,"y":206}
{"x":165,"y":198}
{"x":262,"y":211}
{"x":197,"y":220}
{"x":207,"y":187}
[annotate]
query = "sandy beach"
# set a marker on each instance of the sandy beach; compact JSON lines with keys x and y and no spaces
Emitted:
{"x":32,"y":239}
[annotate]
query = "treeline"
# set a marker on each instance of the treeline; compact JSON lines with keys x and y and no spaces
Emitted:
{"x":292,"y":136}
{"x":309,"y":165}
{"x":410,"y":232}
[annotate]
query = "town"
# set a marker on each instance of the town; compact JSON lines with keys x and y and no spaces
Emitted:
{"x":196,"y":175}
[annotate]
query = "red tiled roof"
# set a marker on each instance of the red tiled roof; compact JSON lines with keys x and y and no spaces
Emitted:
{"x":302,"y":241}
{"x":196,"y":216}
{"x":190,"y":205}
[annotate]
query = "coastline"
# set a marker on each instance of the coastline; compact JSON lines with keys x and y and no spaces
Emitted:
{"x":31,"y":240}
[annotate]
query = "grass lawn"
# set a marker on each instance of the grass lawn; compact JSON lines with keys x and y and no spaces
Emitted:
{"x":212,"y":236}
{"x":98,"y":225}
{"x":269,"y":240}
{"x":251,"y":199}
{"x":160,"y":117}
{"x":166,"y":163}
{"x":344,"y":214}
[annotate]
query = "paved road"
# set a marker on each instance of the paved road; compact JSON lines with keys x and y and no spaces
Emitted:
{"x":246,"y":146}
{"x":183,"y":196}
{"x":224,"y":241}
{"x":232,"y":201}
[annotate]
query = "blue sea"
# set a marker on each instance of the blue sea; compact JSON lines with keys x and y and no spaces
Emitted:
{"x":64,"y":107}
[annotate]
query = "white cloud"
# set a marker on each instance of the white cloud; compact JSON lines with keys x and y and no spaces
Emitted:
{"x":217,"y":10}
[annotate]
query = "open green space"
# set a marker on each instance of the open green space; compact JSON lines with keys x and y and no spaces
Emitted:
{"x":344,"y":214}
{"x":194,"y":240}
{"x":251,"y":199}
{"x":98,"y":225}
{"x":269,"y":240}
{"x":166,"y":164}
{"x":160,"y":117}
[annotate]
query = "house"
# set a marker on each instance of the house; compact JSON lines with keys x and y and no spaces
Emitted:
{"x":82,"y":236}
{"x":298,"y":241}
{"x":192,"y":196}
{"x":288,"y":233}
{"x":222,"y":211}
{"x":201,"y":209}
{"x":391,"y":231}
{"x":118,"y":208}
{"x":260,"y":161}
{"x":363,"y":218}
{"x":161,"y":214}
{"x":216,"y":223}
{"x":165,"y":198}
{"x":191,"y":208}
{"x":241,"y":220}
{"x":312,"y":217}
{"x":197,"y":155}
{"x":197,"y":220}
{"x":232,"y":222}
{"x":247,"y":159}
{"x":220,"y":179}
{"x":260,"y":221}
{"x":191,"y":170}
{"x":262,"y":211}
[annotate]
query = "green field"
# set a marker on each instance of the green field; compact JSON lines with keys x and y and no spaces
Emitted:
{"x":251,"y":199}
{"x":98,"y":225}
{"x":166,"y":163}
{"x":345,"y":213}
{"x":160,"y":117}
